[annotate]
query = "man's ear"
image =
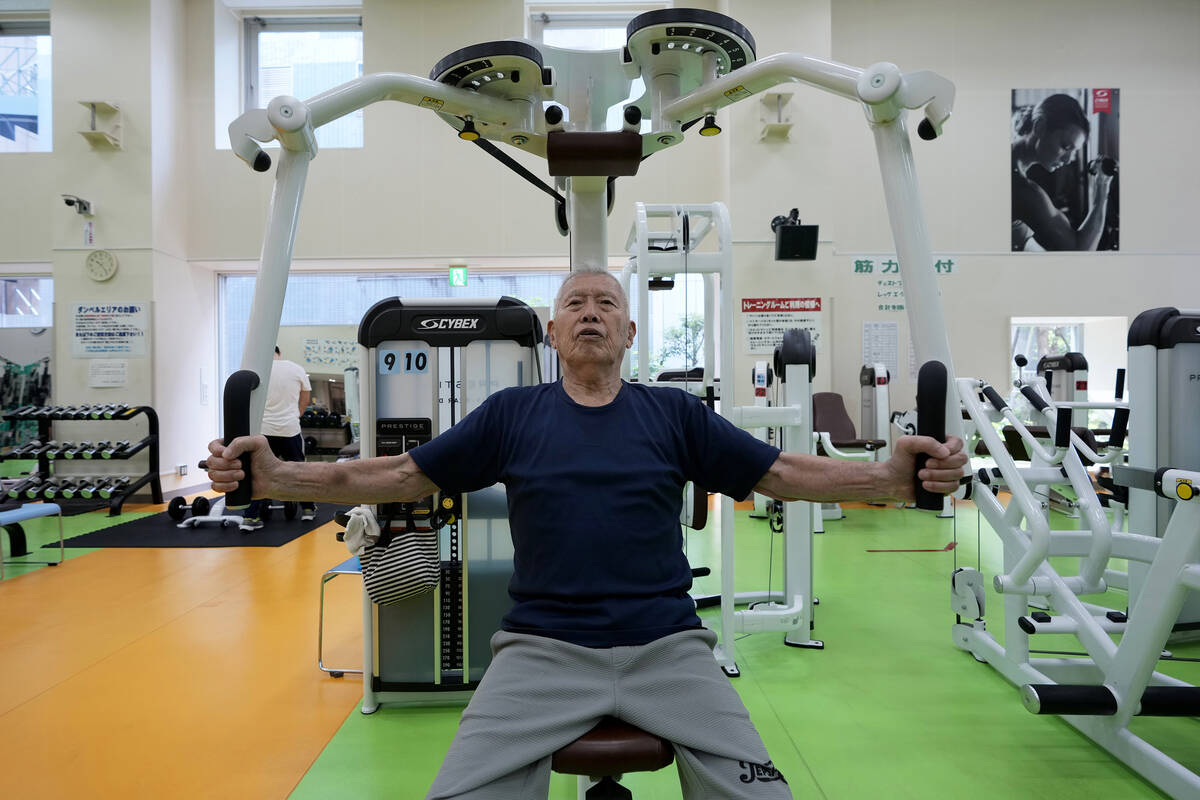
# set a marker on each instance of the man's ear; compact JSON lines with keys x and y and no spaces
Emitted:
{"x":550,"y":333}
{"x":632,"y":331}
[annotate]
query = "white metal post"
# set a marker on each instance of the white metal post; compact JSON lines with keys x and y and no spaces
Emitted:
{"x":587,"y":208}
{"x":797,"y":525}
{"x":271,"y":284}
{"x":922,"y":298}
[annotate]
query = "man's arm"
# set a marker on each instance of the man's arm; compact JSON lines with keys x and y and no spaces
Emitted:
{"x":798,"y":476}
{"x":384,"y":479}
{"x":304,"y":395}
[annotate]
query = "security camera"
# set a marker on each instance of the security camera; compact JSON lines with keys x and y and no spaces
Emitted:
{"x":81,"y":206}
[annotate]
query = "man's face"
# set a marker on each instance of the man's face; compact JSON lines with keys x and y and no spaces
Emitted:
{"x":591,"y":324}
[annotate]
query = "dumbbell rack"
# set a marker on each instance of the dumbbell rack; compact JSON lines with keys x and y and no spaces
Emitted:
{"x":45,"y":416}
{"x":324,"y":435}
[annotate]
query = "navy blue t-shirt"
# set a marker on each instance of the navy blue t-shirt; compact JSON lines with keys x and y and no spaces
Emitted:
{"x":594,"y":496}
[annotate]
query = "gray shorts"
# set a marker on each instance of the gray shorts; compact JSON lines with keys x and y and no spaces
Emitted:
{"x":540,"y":694}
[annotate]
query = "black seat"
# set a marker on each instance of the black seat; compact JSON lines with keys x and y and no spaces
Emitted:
{"x":610,"y":750}
{"x":829,"y":416}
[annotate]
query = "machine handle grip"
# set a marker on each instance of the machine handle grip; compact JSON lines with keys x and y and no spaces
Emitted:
{"x":1120,"y":425}
{"x":237,"y":423}
{"x":1034,"y":398}
{"x":994,"y":398}
{"x":1062,"y":431}
{"x":1120,"y":390}
{"x":931,"y":421}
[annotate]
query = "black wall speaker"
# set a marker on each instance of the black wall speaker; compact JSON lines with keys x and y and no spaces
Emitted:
{"x":796,"y":243}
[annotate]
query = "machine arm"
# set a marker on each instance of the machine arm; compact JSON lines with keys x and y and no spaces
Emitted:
{"x":881,"y":87}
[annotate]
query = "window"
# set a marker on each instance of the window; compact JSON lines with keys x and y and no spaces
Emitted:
{"x":341,"y":299}
{"x":27,"y":303}
{"x":1101,"y":341}
{"x":25,"y":80}
{"x":302,"y":58}
{"x":1036,"y":339}
{"x":676,"y":335}
{"x":600,"y":27}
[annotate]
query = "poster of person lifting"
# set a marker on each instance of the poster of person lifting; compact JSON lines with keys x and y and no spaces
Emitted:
{"x":1065,"y":169}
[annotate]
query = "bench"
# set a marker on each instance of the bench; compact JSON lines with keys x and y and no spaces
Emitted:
{"x":15,"y":516}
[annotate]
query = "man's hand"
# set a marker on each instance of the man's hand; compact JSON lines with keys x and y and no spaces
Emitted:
{"x":940,"y":474}
{"x":225,"y":467}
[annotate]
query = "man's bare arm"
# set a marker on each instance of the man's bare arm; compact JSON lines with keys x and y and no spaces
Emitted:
{"x":374,"y":480}
{"x":798,"y":476}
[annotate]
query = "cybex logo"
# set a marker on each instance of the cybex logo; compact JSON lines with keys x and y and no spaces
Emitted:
{"x":1194,"y":377}
{"x":449,"y":324}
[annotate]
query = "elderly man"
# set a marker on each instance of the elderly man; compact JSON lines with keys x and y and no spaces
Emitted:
{"x":602,"y":623}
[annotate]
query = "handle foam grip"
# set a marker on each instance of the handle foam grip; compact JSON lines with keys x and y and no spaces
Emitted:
{"x":1034,"y":398}
{"x":1062,"y":430}
{"x":1120,"y":427}
{"x":994,"y":398}
{"x":237,"y":423}
{"x":931,"y":421}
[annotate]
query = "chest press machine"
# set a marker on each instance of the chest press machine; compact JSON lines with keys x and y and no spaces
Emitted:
{"x":553,"y":103}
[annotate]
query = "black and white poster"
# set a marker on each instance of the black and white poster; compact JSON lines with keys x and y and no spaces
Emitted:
{"x":1065,"y":169}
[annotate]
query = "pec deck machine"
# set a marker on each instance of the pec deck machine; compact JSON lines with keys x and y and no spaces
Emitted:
{"x":553,"y":103}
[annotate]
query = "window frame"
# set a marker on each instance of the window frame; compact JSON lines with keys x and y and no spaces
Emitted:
{"x":568,"y":15}
{"x":26,"y":26}
{"x":45,"y":309}
{"x":254,"y":24}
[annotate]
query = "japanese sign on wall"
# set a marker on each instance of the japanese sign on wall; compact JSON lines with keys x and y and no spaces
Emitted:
{"x":107,"y":372}
{"x":884,"y":272}
{"x":102,"y":330}
{"x":330,"y":355}
{"x":881,"y":344}
{"x":766,"y":318}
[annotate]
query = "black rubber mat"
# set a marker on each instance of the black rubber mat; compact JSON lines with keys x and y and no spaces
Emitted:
{"x":159,"y":530}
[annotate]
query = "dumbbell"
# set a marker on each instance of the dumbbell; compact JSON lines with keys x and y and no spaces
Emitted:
{"x":1104,"y":164}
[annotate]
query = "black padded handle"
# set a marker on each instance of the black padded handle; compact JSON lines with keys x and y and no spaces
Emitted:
{"x":1034,"y":398}
{"x":931,"y":421}
{"x":1120,"y":389}
{"x":237,"y":423}
{"x":994,"y":398}
{"x":1120,"y":426}
{"x":1062,"y":431}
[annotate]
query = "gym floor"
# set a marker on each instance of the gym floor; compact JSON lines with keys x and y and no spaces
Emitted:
{"x":192,"y":673}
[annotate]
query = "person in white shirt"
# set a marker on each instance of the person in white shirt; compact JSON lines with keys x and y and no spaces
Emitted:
{"x":288,"y":391}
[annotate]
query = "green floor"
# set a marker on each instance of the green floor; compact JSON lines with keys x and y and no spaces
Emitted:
{"x":890,"y":708}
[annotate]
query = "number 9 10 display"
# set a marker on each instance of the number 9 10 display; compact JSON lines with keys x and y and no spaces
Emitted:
{"x":403,"y":361}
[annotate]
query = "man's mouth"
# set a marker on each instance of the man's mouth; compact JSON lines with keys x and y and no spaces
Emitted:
{"x":590,"y":333}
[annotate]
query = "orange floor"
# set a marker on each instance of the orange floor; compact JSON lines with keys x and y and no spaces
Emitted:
{"x":173,"y":673}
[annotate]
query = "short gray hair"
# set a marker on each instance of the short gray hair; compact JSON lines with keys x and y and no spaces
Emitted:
{"x":562,"y":289}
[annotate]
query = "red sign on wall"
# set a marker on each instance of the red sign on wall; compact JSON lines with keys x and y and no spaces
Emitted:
{"x":1102,"y":100}
{"x":759,"y":304}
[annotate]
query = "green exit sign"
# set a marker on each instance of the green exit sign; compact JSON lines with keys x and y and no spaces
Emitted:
{"x":458,"y":276}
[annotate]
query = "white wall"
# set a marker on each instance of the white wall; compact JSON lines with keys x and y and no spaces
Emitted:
{"x":1148,"y":50}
